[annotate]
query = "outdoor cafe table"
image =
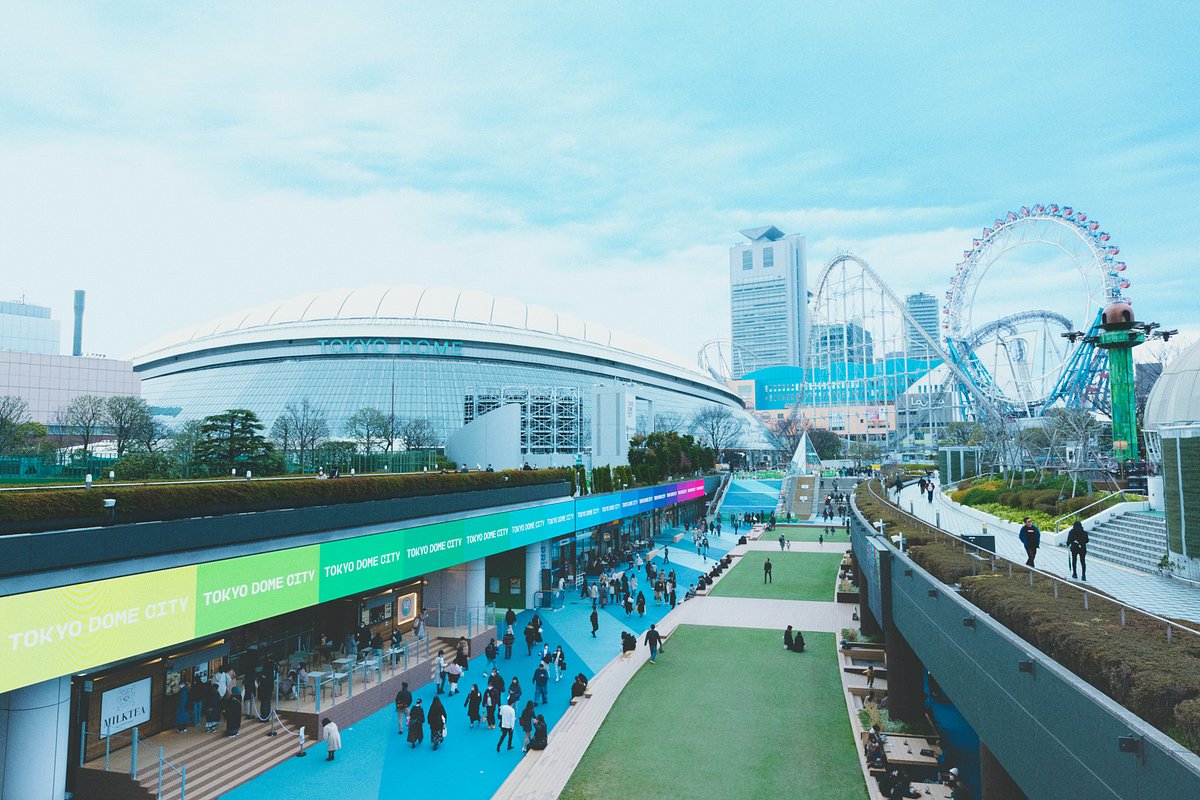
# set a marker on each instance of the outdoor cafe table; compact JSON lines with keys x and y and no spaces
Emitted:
{"x":906,"y":751}
{"x":936,"y":791}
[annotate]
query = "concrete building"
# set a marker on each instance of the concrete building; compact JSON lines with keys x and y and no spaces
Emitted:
{"x":768,"y":299}
{"x":28,"y":328}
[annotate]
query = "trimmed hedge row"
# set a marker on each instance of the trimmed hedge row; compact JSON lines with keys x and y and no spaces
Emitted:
{"x":175,"y":501}
{"x":1134,"y":665}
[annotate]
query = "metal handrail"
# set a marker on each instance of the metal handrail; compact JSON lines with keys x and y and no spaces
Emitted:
{"x":180,"y":770}
{"x":1085,"y":508}
{"x":1055,"y":579}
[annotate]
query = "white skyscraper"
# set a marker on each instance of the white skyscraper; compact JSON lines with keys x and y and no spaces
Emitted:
{"x":924,"y":309}
{"x":768,"y":300}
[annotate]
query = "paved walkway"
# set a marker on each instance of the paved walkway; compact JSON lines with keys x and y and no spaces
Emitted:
{"x":1154,"y":593}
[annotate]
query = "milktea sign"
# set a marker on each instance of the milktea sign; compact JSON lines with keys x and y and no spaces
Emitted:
{"x":124,"y":707}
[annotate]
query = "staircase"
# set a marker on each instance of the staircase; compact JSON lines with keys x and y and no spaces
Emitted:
{"x":220,"y":763}
{"x":804,"y":498}
{"x":1133,"y":539}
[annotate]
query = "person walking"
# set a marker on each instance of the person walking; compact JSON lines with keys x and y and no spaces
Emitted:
{"x":628,"y":604}
{"x":462,"y":655}
{"x":672,"y":594}
{"x":595,"y":619}
{"x":403,"y":701}
{"x":782,"y":542}
{"x":666,"y":555}
{"x":530,"y":638}
{"x":1077,"y":542}
{"x":526,"y":722}
{"x":439,"y":672}
{"x":490,"y":652}
{"x":541,"y":678}
{"x":453,"y":672}
{"x":509,"y":640}
{"x":437,"y":722}
{"x":491,"y":702}
{"x":332,"y":737}
{"x":560,"y":663}
{"x":641,"y":604}
{"x":929,"y":490}
{"x":508,"y":721}
{"x":1031,"y":537}
{"x":767,"y":572}
{"x":514,"y":690}
{"x":416,"y":725}
{"x":472,"y":703}
{"x":653,"y":641}
{"x":510,"y":618}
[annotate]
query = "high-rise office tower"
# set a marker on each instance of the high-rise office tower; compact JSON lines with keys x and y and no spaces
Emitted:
{"x":924,"y":309}
{"x":28,"y":328}
{"x":768,"y":299}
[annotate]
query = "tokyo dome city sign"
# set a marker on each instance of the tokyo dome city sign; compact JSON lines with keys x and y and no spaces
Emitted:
{"x":404,"y":347}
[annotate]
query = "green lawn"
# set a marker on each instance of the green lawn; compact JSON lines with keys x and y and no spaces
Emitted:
{"x":806,"y":534}
{"x":796,"y":576}
{"x":726,"y":713}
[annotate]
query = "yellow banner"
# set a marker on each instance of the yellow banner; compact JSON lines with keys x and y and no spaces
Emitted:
{"x":61,"y":631}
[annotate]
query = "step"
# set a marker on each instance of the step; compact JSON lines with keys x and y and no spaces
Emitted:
{"x":217,"y":769}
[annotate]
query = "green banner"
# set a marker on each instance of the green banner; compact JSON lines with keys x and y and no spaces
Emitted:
{"x":240,"y":590}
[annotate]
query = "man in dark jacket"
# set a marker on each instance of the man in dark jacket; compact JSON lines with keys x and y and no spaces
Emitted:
{"x":595,"y":620}
{"x":653,"y":641}
{"x":403,"y":701}
{"x":1031,"y":537}
{"x":233,"y":712}
{"x":1077,"y":542}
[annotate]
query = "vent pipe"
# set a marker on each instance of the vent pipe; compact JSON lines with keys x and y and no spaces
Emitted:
{"x":77,"y":347}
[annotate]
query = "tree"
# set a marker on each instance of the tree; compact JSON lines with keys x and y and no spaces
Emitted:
{"x":234,"y":440}
{"x":789,"y":431}
{"x":827,"y":443}
{"x":962,"y":434}
{"x":864,"y":451}
{"x":663,"y":454}
{"x":14,"y":416}
{"x":83,"y":417}
{"x":669,"y":422}
{"x":307,"y":427}
{"x":282,"y":434}
{"x":717,"y":428}
{"x":419,"y":434}
{"x":126,"y":417}
{"x":149,"y":435}
{"x":368,"y":427}
{"x":184,"y":442}
{"x":139,"y":466}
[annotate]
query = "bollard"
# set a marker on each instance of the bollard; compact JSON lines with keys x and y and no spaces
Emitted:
{"x":1122,"y":616}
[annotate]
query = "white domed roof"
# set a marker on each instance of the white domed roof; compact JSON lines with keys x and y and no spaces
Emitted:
{"x":1176,"y":395}
{"x":405,"y":306}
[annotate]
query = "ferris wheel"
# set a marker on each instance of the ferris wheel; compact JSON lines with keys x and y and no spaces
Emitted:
{"x":1021,"y":360}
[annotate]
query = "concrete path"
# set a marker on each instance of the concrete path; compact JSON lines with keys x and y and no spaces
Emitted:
{"x":1154,"y":593}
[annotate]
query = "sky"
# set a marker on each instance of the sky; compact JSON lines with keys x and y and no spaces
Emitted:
{"x":181,"y":162}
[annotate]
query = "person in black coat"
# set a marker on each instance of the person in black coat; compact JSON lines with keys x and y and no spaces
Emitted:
{"x":212,"y":707}
{"x":541,"y":734}
{"x":233,"y":712}
{"x":473,"y":702}
{"x":416,"y":725}
{"x":1077,"y":542}
{"x":793,"y":641}
{"x":437,"y":722}
{"x":266,"y":689}
{"x":595,"y":620}
{"x":510,"y":618}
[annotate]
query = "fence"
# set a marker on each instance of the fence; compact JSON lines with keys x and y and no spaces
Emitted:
{"x":135,"y":745}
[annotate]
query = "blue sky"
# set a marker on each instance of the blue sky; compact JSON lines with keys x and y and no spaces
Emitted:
{"x":181,"y":162}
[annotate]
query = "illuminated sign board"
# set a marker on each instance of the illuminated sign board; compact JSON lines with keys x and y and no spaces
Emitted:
{"x":60,"y":631}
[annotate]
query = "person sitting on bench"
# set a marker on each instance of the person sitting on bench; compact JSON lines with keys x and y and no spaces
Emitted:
{"x":579,"y":688}
{"x":793,"y":641}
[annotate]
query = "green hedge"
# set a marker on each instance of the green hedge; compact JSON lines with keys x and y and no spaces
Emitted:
{"x":174,"y":501}
{"x":1134,"y":665}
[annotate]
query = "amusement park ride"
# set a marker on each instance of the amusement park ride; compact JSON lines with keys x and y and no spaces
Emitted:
{"x":1015,"y":366}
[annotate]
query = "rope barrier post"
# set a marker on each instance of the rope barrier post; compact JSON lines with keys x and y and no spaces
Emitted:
{"x":160,"y":766}
{"x":272,"y":733}
{"x":82,"y":742}
{"x":302,"y":752}
{"x":183,"y":782}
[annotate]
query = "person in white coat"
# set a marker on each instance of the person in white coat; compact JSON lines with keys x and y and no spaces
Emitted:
{"x":332,"y":736}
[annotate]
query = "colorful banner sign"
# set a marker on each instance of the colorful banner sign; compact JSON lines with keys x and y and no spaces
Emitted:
{"x":62,"y":631}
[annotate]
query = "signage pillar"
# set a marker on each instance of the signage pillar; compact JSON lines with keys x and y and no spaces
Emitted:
{"x":34,"y":723}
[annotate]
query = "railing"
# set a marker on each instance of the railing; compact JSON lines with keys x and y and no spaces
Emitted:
{"x":135,"y":741}
{"x":1054,"y":524}
{"x":468,"y":621}
{"x":988,"y":557}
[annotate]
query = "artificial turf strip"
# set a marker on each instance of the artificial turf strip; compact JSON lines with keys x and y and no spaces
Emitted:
{"x":807,"y":534}
{"x":726,"y":713}
{"x":796,"y":576}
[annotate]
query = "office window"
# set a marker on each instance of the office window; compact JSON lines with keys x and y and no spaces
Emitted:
{"x":747,"y":259}
{"x":768,"y":257}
